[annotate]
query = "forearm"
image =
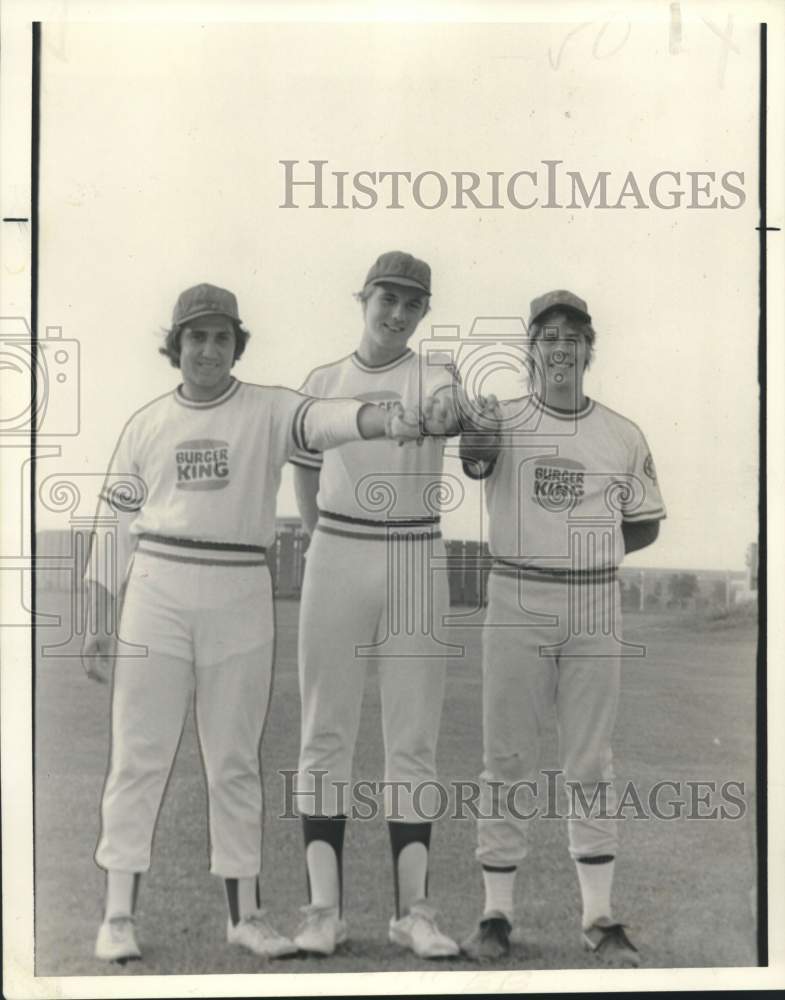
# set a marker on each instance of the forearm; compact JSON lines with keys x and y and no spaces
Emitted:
{"x":112,"y":527}
{"x":100,"y":604}
{"x":480,"y":437}
{"x":306,"y":488}
{"x":451,"y":403}
{"x":330,"y":423}
{"x":371,"y":421}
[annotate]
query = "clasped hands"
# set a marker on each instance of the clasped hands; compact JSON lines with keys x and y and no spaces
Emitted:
{"x":443,"y":415}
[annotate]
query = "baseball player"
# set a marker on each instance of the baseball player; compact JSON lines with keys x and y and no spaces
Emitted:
{"x":193,"y":487}
{"x":368,"y":590}
{"x":570,"y":487}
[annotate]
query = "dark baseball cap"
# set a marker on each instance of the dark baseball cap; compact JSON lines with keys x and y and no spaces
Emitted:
{"x":556,"y":300}
{"x":400,"y":268}
{"x":205,"y":300}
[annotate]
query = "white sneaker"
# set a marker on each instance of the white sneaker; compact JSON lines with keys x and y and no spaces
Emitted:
{"x":257,"y":934}
{"x":116,"y":941}
{"x":419,"y":932}
{"x":322,"y":930}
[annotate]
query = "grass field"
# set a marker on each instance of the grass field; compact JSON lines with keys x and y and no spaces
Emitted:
{"x":685,"y":887}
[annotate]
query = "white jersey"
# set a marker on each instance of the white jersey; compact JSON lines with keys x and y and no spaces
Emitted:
{"x":204,"y":472}
{"x":563,"y":484}
{"x":377,"y":482}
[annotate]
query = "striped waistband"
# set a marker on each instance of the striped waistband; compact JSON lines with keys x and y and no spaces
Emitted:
{"x":547,"y":574}
{"x":359,"y":527}
{"x":201,"y":553}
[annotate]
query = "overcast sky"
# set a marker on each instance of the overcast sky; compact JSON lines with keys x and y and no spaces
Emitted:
{"x":160,"y":169}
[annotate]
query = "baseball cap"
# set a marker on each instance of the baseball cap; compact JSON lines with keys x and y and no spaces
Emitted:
{"x":400,"y":268}
{"x":204,"y":300}
{"x":553,"y":300}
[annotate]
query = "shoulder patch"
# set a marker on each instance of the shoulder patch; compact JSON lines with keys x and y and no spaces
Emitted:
{"x":648,"y":468}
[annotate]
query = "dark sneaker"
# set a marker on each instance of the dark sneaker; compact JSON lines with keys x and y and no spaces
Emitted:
{"x":490,"y":940}
{"x":610,"y":945}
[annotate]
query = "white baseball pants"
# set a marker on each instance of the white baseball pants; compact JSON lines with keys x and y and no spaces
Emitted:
{"x":523,"y":685}
{"x":209,"y":633}
{"x":374,"y":598}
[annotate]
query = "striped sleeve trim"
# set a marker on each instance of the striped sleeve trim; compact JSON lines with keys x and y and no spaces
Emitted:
{"x":650,"y":515}
{"x":298,"y":425}
{"x":307,"y":459}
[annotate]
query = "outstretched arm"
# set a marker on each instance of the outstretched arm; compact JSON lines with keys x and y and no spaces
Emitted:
{"x":329,"y":423}
{"x":444,"y":412}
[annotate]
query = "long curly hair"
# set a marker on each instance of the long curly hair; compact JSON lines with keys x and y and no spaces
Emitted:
{"x":171,"y":346}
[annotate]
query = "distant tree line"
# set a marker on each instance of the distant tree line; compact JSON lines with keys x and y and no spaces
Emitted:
{"x":678,"y":590}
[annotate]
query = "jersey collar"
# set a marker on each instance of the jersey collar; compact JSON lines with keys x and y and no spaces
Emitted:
{"x":365,"y":367}
{"x":561,"y":414}
{"x":206,"y":404}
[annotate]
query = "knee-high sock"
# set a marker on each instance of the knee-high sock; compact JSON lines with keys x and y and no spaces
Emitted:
{"x":242,"y":897}
{"x":410,"y":843}
{"x":595,"y":875}
{"x":122,"y":889}
{"x":324,"y":836}
{"x":499,"y":885}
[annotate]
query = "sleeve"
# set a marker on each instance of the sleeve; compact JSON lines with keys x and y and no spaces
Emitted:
{"x":121,"y":498}
{"x":643,"y":502}
{"x":329,"y":423}
{"x":304,"y":457}
{"x":312,"y":426}
{"x":290,"y":409}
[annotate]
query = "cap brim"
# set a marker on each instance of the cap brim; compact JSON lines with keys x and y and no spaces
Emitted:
{"x":208,"y":312}
{"x":564,"y":308}
{"x":395,"y":280}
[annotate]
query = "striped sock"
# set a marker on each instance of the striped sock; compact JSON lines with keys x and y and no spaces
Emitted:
{"x":595,"y":875}
{"x":499,"y":889}
{"x":242,"y":897}
{"x":409,"y":843}
{"x":324,"y":837}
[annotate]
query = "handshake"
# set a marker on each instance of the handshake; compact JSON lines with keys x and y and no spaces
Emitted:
{"x":443,"y":415}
